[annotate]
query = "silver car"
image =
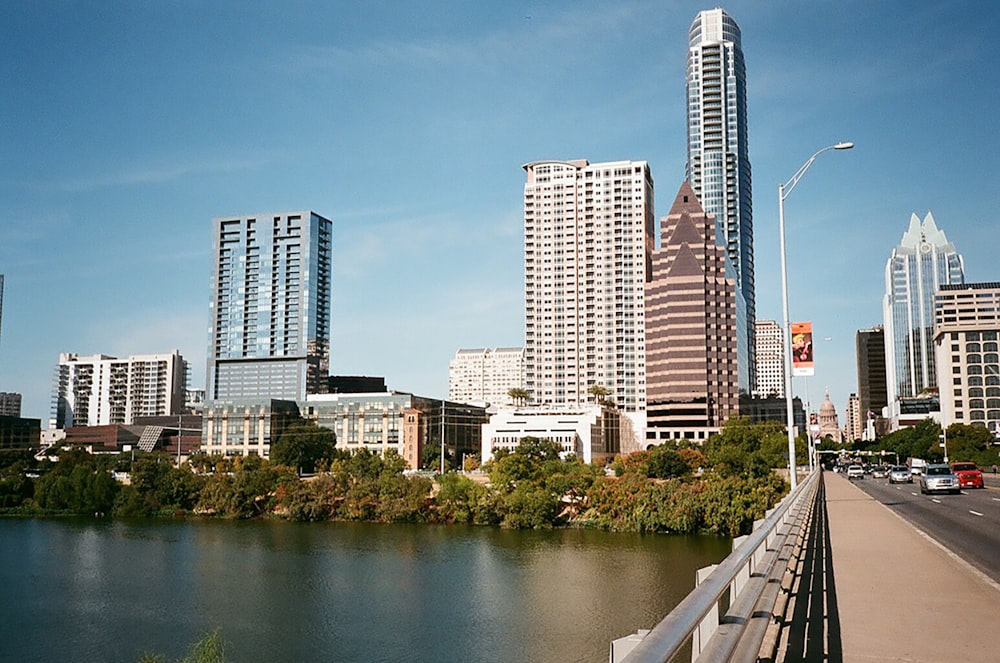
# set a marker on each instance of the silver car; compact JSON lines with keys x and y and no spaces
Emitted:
{"x":938,"y":478}
{"x":900,"y":474}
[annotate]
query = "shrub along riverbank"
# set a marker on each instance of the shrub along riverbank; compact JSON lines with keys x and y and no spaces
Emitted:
{"x":719,"y":488}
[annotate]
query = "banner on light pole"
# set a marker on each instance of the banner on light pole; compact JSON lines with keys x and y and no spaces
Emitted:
{"x":802,"y":349}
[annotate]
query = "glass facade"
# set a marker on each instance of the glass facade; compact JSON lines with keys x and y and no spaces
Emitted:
{"x":718,"y":161}
{"x":270,"y":307}
{"x":923,"y":261}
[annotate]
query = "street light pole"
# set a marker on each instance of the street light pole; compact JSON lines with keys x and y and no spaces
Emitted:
{"x":784,"y":190}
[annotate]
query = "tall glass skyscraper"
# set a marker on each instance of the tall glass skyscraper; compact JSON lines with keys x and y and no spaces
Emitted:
{"x":718,"y":162}
{"x":923,"y":261}
{"x":270,"y":308}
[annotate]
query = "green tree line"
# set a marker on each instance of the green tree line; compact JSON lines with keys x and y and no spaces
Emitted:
{"x":720,"y":487}
{"x":973,"y":444}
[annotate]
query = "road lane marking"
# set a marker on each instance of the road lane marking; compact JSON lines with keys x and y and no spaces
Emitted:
{"x":975,"y":513}
{"x":935,"y":500}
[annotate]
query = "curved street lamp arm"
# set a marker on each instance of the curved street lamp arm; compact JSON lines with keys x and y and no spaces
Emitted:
{"x":787,"y":187}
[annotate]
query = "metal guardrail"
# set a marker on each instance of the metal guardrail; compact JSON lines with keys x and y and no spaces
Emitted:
{"x":749,"y":578}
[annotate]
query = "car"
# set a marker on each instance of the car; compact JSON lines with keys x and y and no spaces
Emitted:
{"x":880,"y":471}
{"x":855,"y":472}
{"x":938,"y":478}
{"x":969,"y":475}
{"x":900,"y":474}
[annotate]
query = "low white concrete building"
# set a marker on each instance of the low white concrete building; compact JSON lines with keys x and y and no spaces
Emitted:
{"x":593,"y":433}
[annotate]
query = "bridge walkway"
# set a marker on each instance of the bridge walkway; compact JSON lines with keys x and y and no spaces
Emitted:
{"x":889,"y":592}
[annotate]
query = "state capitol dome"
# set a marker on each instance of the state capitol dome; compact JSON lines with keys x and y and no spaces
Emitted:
{"x":827,"y":421}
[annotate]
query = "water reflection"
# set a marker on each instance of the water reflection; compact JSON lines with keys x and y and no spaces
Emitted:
{"x":80,"y":590}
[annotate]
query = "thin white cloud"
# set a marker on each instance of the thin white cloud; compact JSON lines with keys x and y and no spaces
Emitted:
{"x":140,"y":174}
{"x":154,"y":331}
{"x":362,"y":248}
{"x":563,"y":32}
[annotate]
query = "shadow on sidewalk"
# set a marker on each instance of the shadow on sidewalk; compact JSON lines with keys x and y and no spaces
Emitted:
{"x":813,"y":627}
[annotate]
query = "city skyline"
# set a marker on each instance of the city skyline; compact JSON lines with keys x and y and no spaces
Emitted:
{"x":129,"y":128}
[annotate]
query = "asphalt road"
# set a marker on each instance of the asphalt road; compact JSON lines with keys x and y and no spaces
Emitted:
{"x":968,"y":524}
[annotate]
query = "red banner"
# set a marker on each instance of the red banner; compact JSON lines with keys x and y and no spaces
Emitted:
{"x":802,"y":349}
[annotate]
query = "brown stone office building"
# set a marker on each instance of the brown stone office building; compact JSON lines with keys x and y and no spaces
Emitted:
{"x":693,"y":328}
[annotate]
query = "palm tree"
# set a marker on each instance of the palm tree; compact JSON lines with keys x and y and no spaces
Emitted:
{"x":599,"y":393}
{"x":518,"y":395}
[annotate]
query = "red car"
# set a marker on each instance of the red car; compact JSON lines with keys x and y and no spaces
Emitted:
{"x":968,"y":475}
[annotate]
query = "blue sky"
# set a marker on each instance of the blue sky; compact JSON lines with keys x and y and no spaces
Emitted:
{"x":128,"y":126}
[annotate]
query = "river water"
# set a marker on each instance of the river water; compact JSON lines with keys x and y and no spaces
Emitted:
{"x":84,"y":590}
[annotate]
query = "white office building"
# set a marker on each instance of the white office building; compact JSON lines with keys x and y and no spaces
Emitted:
{"x":967,"y":349}
{"x":99,"y":390}
{"x":593,"y":433}
{"x":485,"y":375}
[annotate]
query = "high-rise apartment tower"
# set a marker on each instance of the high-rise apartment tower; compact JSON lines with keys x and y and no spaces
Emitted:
{"x":100,"y":390}
{"x":770,"y":359}
{"x":718,"y":161}
{"x":270,"y":307}
{"x":923,"y":261}
{"x":588,"y":237}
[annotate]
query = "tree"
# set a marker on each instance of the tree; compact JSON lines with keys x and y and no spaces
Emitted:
{"x":525,"y":463}
{"x":518,"y":395}
{"x":970,"y":443}
{"x":666,"y":463}
{"x":461,"y":500}
{"x":250,"y":491}
{"x":599,"y":393}
{"x":530,"y":506}
{"x":471,"y":463}
{"x":748,"y":448}
{"x":304,"y":446}
{"x":163,"y":487}
{"x":79,"y":483}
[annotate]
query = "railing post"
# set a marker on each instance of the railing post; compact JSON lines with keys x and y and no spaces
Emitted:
{"x":743,"y":577}
{"x":708,"y":624}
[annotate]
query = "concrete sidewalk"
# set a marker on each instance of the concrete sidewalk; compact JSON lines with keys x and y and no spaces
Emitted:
{"x":900,"y":595}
